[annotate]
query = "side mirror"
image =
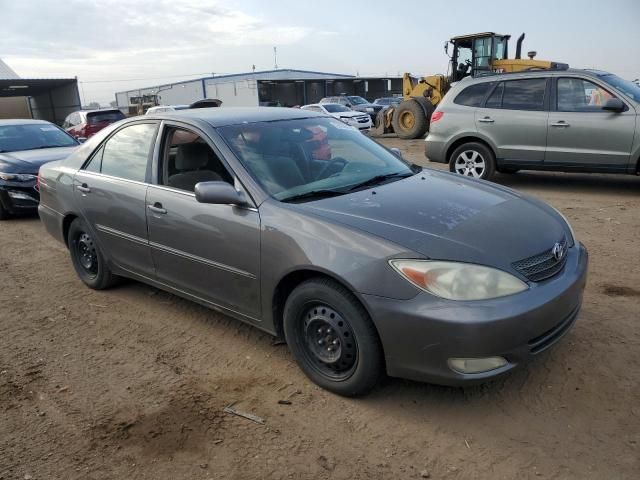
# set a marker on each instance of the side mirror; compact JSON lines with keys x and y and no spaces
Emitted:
{"x":219,"y":193}
{"x":614,"y":105}
{"x":81,"y":139}
{"x":396,"y":152}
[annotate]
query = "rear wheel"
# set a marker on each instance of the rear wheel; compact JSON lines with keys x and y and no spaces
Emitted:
{"x":87,"y":258}
{"x":409,"y":120}
{"x":332,"y":338}
{"x":473,"y":160}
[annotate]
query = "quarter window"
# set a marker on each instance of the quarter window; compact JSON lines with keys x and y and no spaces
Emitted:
{"x":578,"y":95}
{"x":524,"y":94}
{"x":126,"y":154}
{"x":473,"y":95}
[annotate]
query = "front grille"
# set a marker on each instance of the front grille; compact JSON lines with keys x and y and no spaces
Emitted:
{"x":364,"y":119}
{"x":548,"y":338}
{"x":543,"y":265}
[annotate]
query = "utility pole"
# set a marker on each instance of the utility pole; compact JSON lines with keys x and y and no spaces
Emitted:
{"x":275,"y":58}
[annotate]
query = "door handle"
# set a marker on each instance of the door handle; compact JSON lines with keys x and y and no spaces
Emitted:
{"x":485,"y":120}
{"x":84,"y":188}
{"x":561,"y":123}
{"x":157,"y":208}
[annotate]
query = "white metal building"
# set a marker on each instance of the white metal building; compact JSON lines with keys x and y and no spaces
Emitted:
{"x":272,"y":87}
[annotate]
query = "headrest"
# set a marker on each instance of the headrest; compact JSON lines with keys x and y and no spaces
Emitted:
{"x":191,"y":156}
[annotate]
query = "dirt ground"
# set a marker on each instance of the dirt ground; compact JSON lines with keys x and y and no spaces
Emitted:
{"x":132,"y":382}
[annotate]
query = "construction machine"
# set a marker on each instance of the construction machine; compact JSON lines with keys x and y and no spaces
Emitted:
{"x":472,"y":55}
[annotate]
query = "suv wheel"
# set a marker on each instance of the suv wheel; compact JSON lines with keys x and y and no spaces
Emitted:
{"x":473,"y":160}
{"x":332,"y":337}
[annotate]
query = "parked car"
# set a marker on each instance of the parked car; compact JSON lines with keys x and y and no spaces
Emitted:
{"x":26,"y":145}
{"x":166,"y":108}
{"x":359,"y":120}
{"x":563,"y":120}
{"x":85,"y":123}
{"x":356,"y":103}
{"x":388,"y":101}
{"x":363,"y":263}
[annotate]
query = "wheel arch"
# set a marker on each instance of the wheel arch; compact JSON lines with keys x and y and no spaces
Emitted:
{"x":291,"y":280}
{"x":468,"y":139}
{"x":66,"y":224}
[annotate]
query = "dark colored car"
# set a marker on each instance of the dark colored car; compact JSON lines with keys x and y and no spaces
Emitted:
{"x":85,"y":123}
{"x":355,"y":102}
{"x":26,"y":145}
{"x":362,"y":262}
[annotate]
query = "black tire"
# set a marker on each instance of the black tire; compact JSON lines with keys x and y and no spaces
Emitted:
{"x":321,"y":314}
{"x":409,"y":120}
{"x":87,"y":258}
{"x":472,"y":152}
{"x":4,"y":215}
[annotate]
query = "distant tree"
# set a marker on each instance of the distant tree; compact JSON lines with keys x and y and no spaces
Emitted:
{"x":92,"y":106}
{"x":113,"y":104}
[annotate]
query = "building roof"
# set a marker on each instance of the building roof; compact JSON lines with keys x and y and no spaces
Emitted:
{"x":7,"y":72}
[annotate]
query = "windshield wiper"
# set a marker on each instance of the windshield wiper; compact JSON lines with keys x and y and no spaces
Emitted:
{"x":379,"y":179}
{"x":313,"y":194}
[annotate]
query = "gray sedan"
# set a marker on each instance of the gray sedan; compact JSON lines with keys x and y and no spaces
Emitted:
{"x":294,"y":222}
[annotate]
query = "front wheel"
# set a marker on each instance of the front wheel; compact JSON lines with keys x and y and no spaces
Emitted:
{"x":332,"y":338}
{"x":87,"y":259}
{"x":409,"y":120}
{"x":473,"y":160}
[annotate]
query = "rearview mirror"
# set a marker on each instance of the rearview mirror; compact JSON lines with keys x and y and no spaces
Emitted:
{"x":219,"y":193}
{"x":81,"y":139}
{"x":614,"y":105}
{"x":396,"y":152}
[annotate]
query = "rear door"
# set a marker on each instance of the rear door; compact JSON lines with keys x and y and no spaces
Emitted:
{"x":209,"y":251}
{"x":581,"y":134}
{"x":111,"y":192}
{"x":514,"y":118}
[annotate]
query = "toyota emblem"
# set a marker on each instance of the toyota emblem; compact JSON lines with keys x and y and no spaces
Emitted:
{"x":558,"y":251}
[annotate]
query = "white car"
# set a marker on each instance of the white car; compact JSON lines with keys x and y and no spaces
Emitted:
{"x":358,"y":120}
{"x":166,"y":108}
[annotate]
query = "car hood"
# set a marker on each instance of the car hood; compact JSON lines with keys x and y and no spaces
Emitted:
{"x":447,"y":217}
{"x":349,"y":114}
{"x":29,"y":161}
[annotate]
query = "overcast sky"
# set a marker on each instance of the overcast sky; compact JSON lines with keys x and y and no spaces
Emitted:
{"x":137,"y":43}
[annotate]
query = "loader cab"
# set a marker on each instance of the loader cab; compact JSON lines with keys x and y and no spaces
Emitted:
{"x":474,"y":54}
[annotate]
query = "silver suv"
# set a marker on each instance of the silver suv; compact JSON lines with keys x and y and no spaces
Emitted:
{"x":568,"y":120}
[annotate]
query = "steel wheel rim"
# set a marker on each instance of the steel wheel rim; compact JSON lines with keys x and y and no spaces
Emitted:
{"x":407,"y":120}
{"x":470,"y":163}
{"x":87,"y":254}
{"x":329,"y":342}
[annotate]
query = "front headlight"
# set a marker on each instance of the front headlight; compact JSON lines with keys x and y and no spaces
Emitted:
{"x":458,"y":281}
{"x":369,"y":109}
{"x":573,"y":235}
{"x":17,"y":177}
{"x":344,"y":120}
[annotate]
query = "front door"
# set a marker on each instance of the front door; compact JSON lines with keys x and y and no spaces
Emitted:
{"x":111,"y":190}
{"x":514,"y":118}
{"x":581,"y":134}
{"x":208,"y":251}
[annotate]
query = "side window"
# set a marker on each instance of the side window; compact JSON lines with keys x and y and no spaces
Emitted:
{"x":126,"y":154}
{"x":188,"y":160}
{"x":524,"y":94}
{"x":495,"y":99}
{"x":578,"y":95}
{"x":473,"y":95}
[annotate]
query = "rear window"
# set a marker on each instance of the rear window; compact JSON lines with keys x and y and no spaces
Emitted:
{"x":107,"y":116}
{"x":473,"y":95}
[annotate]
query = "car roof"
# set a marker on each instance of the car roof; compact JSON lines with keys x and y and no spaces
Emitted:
{"x":22,"y":121}
{"x":224,"y":116}
{"x":534,"y":73}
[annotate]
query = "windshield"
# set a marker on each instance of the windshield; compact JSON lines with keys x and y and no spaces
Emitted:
{"x":108,"y":116}
{"x":357,"y":100}
{"x":335,"y":108}
{"x":291,"y":158}
{"x":31,"y":136}
{"x":622,"y":86}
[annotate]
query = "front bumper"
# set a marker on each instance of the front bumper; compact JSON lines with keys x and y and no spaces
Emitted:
{"x":19,"y":197}
{"x":420,"y":335}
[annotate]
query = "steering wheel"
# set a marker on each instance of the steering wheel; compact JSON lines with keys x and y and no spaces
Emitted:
{"x":334,"y":166}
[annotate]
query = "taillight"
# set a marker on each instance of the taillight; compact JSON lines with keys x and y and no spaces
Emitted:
{"x":437,"y":115}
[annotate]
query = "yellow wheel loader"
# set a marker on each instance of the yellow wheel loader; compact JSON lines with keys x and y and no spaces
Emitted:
{"x":477,"y":54}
